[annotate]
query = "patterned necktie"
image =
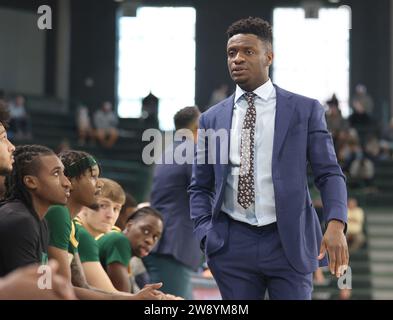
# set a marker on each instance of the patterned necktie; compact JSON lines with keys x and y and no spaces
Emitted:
{"x":246,"y":192}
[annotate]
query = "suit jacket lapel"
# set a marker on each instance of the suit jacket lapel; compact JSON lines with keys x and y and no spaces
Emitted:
{"x":224,"y":121}
{"x":284,"y":111}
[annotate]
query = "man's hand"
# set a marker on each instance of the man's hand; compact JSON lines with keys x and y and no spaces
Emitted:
{"x":150,"y":292}
{"x":335,"y":243}
{"x":172,"y":297}
{"x":22,"y":284}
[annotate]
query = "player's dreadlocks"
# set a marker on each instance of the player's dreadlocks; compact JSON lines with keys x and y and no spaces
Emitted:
{"x":26,"y":162}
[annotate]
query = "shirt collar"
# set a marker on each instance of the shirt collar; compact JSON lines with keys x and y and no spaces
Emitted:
{"x":264,"y":91}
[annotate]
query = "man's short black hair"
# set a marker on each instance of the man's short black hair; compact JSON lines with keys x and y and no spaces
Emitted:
{"x":185,"y":117}
{"x":144,"y":212}
{"x":253,"y":25}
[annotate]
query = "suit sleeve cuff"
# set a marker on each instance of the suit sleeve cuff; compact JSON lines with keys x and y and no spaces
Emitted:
{"x":343,"y":222}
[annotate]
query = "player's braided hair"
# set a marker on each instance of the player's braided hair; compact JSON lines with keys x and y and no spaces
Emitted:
{"x":72,"y":157}
{"x":26,"y":162}
{"x":143,"y":212}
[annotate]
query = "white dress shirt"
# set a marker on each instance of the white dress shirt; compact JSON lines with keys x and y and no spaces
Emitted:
{"x":263,"y":211}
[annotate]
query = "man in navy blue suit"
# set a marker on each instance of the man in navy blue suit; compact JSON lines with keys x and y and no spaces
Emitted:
{"x":177,"y":254}
{"x":249,"y":196}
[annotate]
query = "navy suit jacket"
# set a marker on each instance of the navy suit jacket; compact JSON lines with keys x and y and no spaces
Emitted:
{"x":300,"y":138}
{"x":169,"y":196}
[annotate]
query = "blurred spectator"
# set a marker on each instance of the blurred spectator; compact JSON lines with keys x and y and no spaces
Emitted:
{"x":355,"y":234}
{"x":334,"y":119}
{"x":387,"y":133}
{"x":105,"y":122}
{"x":150,"y":111}
{"x":355,"y":163}
{"x":359,"y":118}
{"x":219,"y":94}
{"x":361,"y":121}
{"x":363,"y":171}
{"x":349,"y":151}
{"x":63,"y":146}
{"x":341,"y":143}
{"x":19,"y":119}
{"x":363,"y":98}
{"x":372,"y":148}
{"x":387,"y":141}
{"x":385,"y":153}
{"x":85,"y":130}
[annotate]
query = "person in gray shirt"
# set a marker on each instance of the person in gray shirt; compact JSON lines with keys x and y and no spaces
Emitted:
{"x":105,"y":122}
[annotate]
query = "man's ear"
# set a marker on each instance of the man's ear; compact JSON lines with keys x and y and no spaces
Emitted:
{"x":31,"y":182}
{"x":128,"y":226}
{"x":73,"y":181}
{"x":270,"y":57}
